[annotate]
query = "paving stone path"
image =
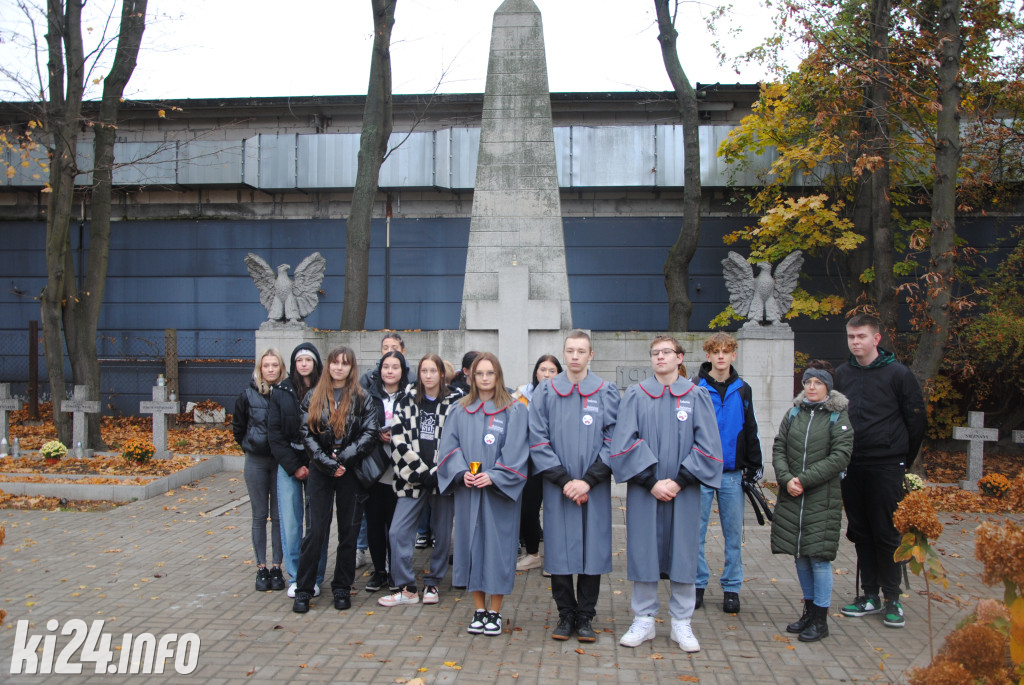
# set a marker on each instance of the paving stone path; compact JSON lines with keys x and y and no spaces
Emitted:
{"x":179,"y":564}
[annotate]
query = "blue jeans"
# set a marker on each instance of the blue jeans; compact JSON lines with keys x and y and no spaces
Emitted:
{"x":293,"y":509}
{"x":815,"y":579}
{"x":730,"y":513}
{"x":362,"y":542}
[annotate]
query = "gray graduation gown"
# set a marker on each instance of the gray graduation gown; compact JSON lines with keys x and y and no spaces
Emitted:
{"x":486,"y":536}
{"x":571,"y":426}
{"x":668,"y":426}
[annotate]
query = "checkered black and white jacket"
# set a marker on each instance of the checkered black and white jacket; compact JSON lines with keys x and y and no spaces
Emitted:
{"x":405,"y":443}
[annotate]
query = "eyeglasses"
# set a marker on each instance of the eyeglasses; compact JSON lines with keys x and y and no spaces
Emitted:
{"x":663,"y":351}
{"x":484,"y":374}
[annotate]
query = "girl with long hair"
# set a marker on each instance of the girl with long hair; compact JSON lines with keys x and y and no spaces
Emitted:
{"x":251,"y":430}
{"x":339,"y":427}
{"x":484,"y":448}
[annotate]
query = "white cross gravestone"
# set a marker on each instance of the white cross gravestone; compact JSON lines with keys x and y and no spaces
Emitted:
{"x":160,"y":408}
{"x":80,"y":406}
{"x":7,"y":404}
{"x":1018,"y":437}
{"x":513,"y":315}
{"x":975,"y":433}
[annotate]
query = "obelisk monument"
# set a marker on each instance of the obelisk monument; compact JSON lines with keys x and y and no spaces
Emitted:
{"x":515,"y":301}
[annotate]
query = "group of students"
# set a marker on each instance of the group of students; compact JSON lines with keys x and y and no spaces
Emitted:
{"x":471,"y":451}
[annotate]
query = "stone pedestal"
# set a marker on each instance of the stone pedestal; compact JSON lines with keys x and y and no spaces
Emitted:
{"x":765,"y":360}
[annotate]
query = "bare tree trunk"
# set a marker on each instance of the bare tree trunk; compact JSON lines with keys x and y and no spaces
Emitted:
{"x":373,"y":144}
{"x":938,"y":283}
{"x":63,"y":110}
{"x":677,"y":264}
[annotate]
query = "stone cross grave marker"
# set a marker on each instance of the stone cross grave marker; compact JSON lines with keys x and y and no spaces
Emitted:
{"x":80,"y":406}
{"x":1018,"y":437}
{"x":976,"y":434}
{"x":7,"y":404}
{"x":513,"y":315}
{"x":160,"y":408}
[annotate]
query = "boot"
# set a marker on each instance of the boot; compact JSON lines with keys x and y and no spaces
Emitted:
{"x":798,"y":625}
{"x":818,"y":627}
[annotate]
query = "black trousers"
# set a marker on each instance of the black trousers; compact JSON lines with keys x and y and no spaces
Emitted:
{"x":343,"y":494}
{"x":581,"y":602}
{"x":871,"y":495}
{"x":380,"y":509}
{"x":529,"y":514}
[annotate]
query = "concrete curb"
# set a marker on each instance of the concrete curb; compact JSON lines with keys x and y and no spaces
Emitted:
{"x":209,"y":465}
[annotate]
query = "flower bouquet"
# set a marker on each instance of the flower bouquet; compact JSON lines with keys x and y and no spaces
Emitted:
{"x":994,"y":485}
{"x":138,"y":451}
{"x":53,"y":451}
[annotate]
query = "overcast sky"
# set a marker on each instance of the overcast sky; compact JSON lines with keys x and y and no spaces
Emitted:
{"x":239,"y":48}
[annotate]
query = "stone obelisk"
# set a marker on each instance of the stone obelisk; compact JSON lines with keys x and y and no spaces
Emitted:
{"x":515,"y":301}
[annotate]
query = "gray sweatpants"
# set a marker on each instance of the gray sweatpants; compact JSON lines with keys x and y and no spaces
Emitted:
{"x":403,"y":537}
{"x":261,"y":481}
{"x":680,"y":605}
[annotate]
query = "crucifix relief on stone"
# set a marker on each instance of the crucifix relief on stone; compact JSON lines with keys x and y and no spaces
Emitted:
{"x":977,"y":435}
{"x":513,"y":315}
{"x":160,"y":408}
{"x":79,"y":407}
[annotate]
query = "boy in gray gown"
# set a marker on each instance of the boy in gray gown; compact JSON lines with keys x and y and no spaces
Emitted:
{"x":665,"y":445}
{"x":571,"y":422}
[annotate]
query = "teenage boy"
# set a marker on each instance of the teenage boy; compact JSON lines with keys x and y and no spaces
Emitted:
{"x":391,"y":342}
{"x":888,"y":416}
{"x":571,"y":422}
{"x":741,"y":458}
{"x":665,"y":445}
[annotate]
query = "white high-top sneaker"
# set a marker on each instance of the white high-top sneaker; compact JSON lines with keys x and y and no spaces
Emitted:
{"x":682,"y":633}
{"x":640,"y":632}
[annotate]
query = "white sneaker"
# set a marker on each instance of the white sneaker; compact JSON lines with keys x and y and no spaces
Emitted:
{"x":528,"y":561}
{"x":399,"y":598}
{"x":291,"y":590}
{"x":640,"y":632}
{"x":682,"y":634}
{"x":316,"y":590}
{"x":430,"y":595}
{"x":362,"y":557}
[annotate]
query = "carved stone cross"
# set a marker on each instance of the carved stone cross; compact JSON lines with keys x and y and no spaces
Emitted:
{"x":513,"y":315}
{"x":160,"y":408}
{"x":7,"y":404}
{"x":977,"y":435}
{"x":80,"y":406}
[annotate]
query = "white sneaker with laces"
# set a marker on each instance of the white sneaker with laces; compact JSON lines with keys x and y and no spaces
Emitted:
{"x":430,"y":595}
{"x":316,"y":590}
{"x":399,"y":598}
{"x":640,"y":632}
{"x":682,"y":634}
{"x":362,"y":557}
{"x":528,"y":561}
{"x":291,"y":590}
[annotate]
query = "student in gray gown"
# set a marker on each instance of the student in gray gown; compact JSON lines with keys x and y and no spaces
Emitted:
{"x":487,"y":428}
{"x":571,"y":422}
{"x":665,"y":445}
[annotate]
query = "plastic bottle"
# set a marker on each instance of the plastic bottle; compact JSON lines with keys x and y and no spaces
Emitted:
{"x":3,"y":447}
{"x":15,"y":448}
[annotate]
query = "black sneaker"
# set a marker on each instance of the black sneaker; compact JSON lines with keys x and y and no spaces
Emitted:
{"x":422,"y":540}
{"x":731,"y":602}
{"x":893,"y":614}
{"x":700,"y":598}
{"x":262,"y":579}
{"x":584,"y":631}
{"x":277,"y":579}
{"x":301,"y":603}
{"x":493,"y":625}
{"x":862,"y":606}
{"x":378,"y":581}
{"x":477,"y":625}
{"x":342,"y":600}
{"x":563,"y":630}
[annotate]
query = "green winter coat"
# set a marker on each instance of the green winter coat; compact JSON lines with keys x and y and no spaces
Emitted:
{"x":816,"y":450}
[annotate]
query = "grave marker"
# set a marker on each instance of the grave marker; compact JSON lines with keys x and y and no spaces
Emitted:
{"x":80,"y":406}
{"x":977,"y":435}
{"x":7,"y":404}
{"x":160,"y":408}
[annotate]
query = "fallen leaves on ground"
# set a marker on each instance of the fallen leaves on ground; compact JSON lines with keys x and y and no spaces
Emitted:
{"x":37,"y":502}
{"x":95,"y":468}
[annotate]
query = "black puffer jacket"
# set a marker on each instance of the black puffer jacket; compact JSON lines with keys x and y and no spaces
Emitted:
{"x":285,"y":419}
{"x":360,"y":436}
{"x":886,"y":409}
{"x":250,"y":420}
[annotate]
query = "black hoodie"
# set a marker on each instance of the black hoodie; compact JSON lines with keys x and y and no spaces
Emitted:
{"x":285,"y":418}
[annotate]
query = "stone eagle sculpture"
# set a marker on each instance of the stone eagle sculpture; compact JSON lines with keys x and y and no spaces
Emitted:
{"x":288,"y":301}
{"x":764,"y":297}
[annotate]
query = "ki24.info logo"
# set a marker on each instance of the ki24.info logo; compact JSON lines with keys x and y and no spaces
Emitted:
{"x":142,"y":653}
